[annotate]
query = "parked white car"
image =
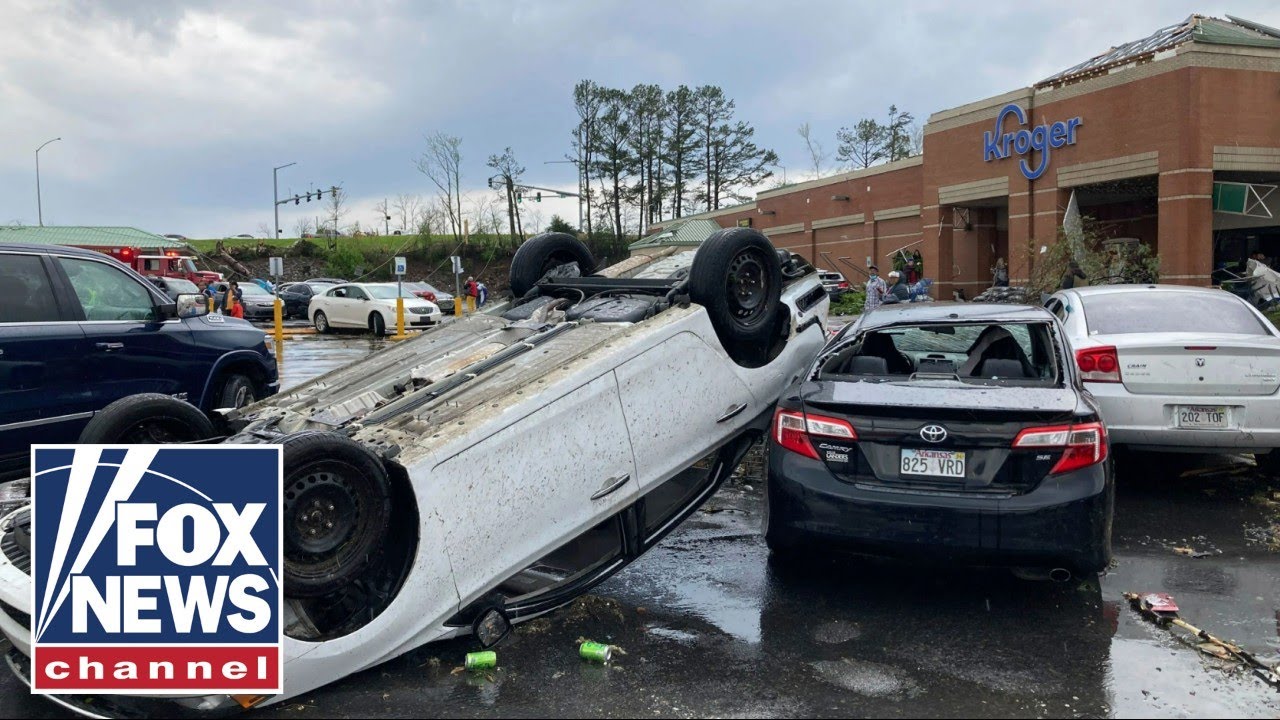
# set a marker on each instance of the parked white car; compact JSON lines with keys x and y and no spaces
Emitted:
{"x":368,"y":306}
{"x":1177,"y":368}
{"x":506,"y":463}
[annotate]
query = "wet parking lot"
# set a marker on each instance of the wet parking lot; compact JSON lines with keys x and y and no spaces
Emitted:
{"x":711,"y":627}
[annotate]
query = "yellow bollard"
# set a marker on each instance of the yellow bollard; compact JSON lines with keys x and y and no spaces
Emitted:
{"x":457,"y":307}
{"x":471,"y":304}
{"x":279,"y":320}
{"x":399,"y":318}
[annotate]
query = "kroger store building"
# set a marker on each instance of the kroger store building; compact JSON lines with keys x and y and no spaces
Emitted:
{"x":1173,"y":139}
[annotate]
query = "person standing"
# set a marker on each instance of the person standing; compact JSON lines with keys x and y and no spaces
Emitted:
{"x":912,"y":273}
{"x":876,"y":290}
{"x":1001,"y":273}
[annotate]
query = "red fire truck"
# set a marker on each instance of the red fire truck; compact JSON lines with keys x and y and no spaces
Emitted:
{"x":159,"y":263}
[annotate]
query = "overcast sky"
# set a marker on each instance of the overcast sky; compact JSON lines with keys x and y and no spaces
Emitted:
{"x":173,"y":114}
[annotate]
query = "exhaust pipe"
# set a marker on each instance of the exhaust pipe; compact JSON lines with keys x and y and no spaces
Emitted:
{"x":1060,"y":575}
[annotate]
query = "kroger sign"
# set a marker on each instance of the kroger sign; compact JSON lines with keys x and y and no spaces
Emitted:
{"x":999,"y":145}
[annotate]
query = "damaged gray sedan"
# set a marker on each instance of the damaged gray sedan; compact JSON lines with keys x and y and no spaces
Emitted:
{"x":494,"y":468}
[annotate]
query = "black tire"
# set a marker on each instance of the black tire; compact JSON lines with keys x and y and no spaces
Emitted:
{"x":736,"y":276}
{"x":337,"y":508}
{"x":322,"y":323}
{"x":1269,"y":464}
{"x":237,"y":391}
{"x":377,"y":324}
{"x":543,"y":253}
{"x":146,"y":419}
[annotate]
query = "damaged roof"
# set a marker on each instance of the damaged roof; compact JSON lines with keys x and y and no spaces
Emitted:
{"x":1196,"y":28}
{"x":85,"y":236}
{"x":690,"y":233}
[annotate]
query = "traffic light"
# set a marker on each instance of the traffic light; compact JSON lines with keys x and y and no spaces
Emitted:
{"x":334,"y":190}
{"x":538,"y":197}
{"x":519,"y":197}
{"x":297,"y":200}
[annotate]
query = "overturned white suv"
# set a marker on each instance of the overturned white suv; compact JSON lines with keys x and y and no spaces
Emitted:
{"x":497,"y":467}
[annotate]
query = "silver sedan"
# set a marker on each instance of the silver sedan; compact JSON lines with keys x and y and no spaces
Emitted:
{"x":1177,"y":368}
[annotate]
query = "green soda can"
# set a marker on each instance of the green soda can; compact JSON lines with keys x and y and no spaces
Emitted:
{"x":486,"y":660}
{"x":595,"y":652}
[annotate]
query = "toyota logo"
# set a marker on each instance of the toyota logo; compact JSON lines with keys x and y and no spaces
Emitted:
{"x":933,"y":433}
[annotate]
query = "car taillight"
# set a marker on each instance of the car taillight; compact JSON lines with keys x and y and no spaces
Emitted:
{"x":1099,"y":364}
{"x":843,"y":285}
{"x":792,"y":430}
{"x":1082,"y":445}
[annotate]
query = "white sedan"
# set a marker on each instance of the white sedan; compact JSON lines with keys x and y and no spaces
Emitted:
{"x":1177,"y":368}
{"x":494,"y":468}
{"x":369,"y":306}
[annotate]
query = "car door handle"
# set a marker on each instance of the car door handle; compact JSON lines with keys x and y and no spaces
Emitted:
{"x":732,"y":412}
{"x":109,"y":347}
{"x":610,"y":486}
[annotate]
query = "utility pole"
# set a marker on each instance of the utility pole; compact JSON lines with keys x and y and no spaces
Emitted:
{"x":275,"y":196}
{"x":386,"y":221}
{"x":39,"y":204}
{"x":580,"y":193}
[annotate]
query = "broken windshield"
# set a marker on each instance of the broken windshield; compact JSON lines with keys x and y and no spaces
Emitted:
{"x":982,"y":353}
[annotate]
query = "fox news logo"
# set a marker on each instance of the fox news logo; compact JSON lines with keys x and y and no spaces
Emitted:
{"x":156,"y":569}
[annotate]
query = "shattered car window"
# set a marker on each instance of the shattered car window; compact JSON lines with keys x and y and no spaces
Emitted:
{"x":985,"y":353}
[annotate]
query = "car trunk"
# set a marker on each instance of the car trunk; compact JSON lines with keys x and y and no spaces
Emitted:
{"x":1191,"y":364}
{"x":980,"y":423}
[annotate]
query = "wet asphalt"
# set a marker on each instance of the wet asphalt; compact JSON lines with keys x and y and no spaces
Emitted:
{"x":711,"y":626}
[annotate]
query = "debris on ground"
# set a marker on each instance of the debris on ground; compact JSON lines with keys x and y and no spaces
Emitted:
{"x":1161,"y":609}
{"x":595,"y":652}
{"x":1193,"y":553}
{"x":592,"y":607}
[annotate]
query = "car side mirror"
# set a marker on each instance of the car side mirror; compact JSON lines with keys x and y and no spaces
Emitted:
{"x":491,"y":627}
{"x":189,"y":306}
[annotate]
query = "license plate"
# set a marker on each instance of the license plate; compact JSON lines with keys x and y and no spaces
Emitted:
{"x":938,"y":463}
{"x":1212,"y":417}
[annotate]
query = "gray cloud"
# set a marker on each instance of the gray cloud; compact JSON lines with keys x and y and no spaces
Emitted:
{"x":173,"y":114}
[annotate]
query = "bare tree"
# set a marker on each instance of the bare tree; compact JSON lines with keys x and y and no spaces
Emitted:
{"x":441,"y":162}
{"x":406,"y":208}
{"x":303,"y":227}
{"x":384,"y":217}
{"x":535,"y":220}
{"x":509,"y":170}
{"x":264,"y":229}
{"x":817,"y":154}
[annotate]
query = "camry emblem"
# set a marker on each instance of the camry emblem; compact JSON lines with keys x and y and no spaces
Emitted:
{"x":933,"y":433}
{"x":1199,"y":362}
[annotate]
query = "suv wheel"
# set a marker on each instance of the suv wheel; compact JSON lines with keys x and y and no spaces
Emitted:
{"x":737,"y":277}
{"x":337,"y":509}
{"x":147,"y":419}
{"x":237,"y":391}
{"x":544,"y":253}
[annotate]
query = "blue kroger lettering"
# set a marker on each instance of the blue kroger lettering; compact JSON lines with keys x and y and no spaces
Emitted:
{"x":999,"y":145}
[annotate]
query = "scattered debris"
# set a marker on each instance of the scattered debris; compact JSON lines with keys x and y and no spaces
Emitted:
{"x":484,"y":660}
{"x":1161,"y":609}
{"x":1192,"y":552}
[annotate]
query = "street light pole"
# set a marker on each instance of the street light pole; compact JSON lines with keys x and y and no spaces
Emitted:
{"x":570,"y":162}
{"x":39,"y":204}
{"x":275,"y":193}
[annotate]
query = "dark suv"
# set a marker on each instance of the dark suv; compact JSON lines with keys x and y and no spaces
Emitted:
{"x":79,"y":330}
